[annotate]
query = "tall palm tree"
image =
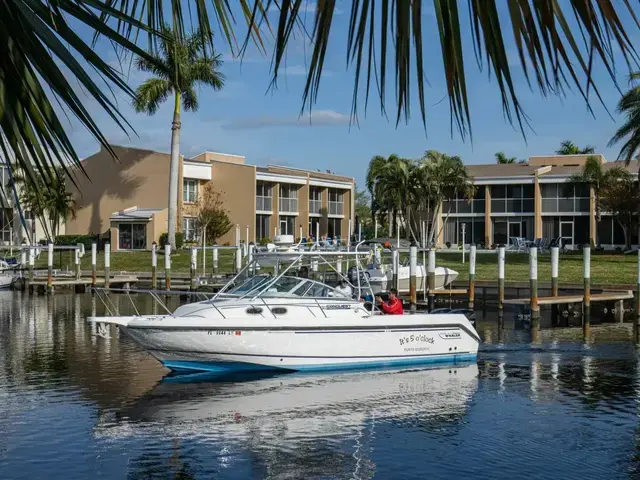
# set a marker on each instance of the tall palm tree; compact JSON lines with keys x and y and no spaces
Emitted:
{"x":569,"y":148}
{"x":592,"y":175}
{"x":382,"y":182}
{"x":177,"y":69}
{"x":502,"y":158}
{"x":629,"y":132}
{"x":42,"y":39}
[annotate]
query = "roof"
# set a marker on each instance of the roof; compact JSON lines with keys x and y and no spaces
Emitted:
{"x":495,"y":170}
{"x":281,"y":170}
{"x":135,"y":213}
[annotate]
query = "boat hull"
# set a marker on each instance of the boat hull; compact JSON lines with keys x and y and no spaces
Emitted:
{"x":307,"y":349}
{"x":382,"y":282}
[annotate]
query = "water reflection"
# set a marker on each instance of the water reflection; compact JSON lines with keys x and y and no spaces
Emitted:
{"x":74,"y":405}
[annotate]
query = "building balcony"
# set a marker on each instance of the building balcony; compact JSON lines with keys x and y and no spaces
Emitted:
{"x":264,"y":204}
{"x":336,"y":208}
{"x":288,"y":205}
{"x":315,"y":206}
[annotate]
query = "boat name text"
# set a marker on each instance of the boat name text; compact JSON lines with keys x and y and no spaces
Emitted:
{"x":416,"y":338}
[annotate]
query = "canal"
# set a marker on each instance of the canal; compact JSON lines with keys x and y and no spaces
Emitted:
{"x":75,"y":405}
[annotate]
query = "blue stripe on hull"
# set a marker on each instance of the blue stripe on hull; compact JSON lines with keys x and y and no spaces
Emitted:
{"x":232,"y":367}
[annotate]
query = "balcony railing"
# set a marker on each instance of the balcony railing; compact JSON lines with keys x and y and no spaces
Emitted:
{"x":315,"y":206}
{"x":288,"y":205}
{"x":263,"y":204}
{"x":336,"y":208}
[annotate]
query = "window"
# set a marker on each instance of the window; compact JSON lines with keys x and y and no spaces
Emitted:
{"x":189,"y":228}
{"x":315,"y":200}
{"x":565,"y":198}
{"x":512,"y":199}
{"x":5,"y":224}
{"x":336,"y":202}
{"x":189,"y":190}
{"x":335,"y":228}
{"x":132,"y":236}
{"x":288,"y":198}
{"x":262,"y":227}
{"x":287,"y":225}
{"x":263,"y":197}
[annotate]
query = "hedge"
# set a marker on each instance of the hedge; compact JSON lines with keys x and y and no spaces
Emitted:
{"x":179,"y":240}
{"x":73,"y":240}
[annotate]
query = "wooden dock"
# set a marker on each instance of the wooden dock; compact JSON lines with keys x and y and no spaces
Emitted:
{"x":79,"y":284}
{"x":562,"y":299}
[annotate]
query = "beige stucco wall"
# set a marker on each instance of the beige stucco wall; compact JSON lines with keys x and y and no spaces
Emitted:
{"x":219,"y":157}
{"x":303,"y":210}
{"x":237,"y":186}
{"x":140,"y":178}
{"x":347,"y":209}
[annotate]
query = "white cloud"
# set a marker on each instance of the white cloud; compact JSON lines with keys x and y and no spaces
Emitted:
{"x":317,"y":118}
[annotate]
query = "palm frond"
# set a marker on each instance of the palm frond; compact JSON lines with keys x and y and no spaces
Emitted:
{"x":151,"y":94}
{"x":207,"y":71}
{"x":189,"y":99}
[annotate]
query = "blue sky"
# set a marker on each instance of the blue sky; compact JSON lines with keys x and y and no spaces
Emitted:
{"x":248,"y":118}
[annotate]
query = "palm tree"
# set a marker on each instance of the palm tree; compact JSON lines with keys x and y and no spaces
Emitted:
{"x":629,"y":132}
{"x":44,"y":39}
{"x":51,"y":204}
{"x":569,"y":148}
{"x":439,"y":177}
{"x":178,"y":68}
{"x":382,"y":183}
{"x":592,"y":175}
{"x":502,"y":158}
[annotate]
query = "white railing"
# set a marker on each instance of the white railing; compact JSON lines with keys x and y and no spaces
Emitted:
{"x":288,"y":205}
{"x":263,"y":204}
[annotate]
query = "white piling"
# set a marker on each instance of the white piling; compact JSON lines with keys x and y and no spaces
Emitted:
{"x":50,"y":266}
{"x":76,"y":261}
{"x":154,"y":266}
{"x":194,"y":267}
{"x":215,"y":260}
{"x":246,"y":242}
{"x":94,"y":264}
{"x":107,"y":264}
{"x":413,"y":268}
{"x":167,"y":267}
{"x":238,"y":259}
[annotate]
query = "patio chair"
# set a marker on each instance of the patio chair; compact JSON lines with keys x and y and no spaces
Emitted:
{"x":522,"y":244}
{"x":544,"y":244}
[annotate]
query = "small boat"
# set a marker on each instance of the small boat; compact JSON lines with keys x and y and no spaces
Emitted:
{"x":7,"y":275}
{"x":289,"y":323}
{"x":381,"y":277}
{"x":283,"y":249}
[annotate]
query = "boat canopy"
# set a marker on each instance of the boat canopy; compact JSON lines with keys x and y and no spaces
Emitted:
{"x":285,"y":286}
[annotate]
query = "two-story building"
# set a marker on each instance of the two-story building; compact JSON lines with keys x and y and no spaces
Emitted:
{"x":129,"y":198}
{"x":534,"y":199}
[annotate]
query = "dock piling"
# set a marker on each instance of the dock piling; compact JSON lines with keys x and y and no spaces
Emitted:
{"x":32,"y":261}
{"x":586,"y":309}
{"x":238,"y":258}
{"x":194,"y":266}
{"x":431,"y":278}
{"x":50,"y":267}
{"x":76,"y":261}
{"x":413,"y":267}
{"x":395,"y":258}
{"x":533,"y":296}
{"x":107,"y":264}
{"x":215,"y":261}
{"x":23,"y":259}
{"x":472,"y":275}
{"x":167,"y":267}
{"x":94,"y":262}
{"x":154,"y":266}
{"x":554,"y":270}
{"x":500,"y":282}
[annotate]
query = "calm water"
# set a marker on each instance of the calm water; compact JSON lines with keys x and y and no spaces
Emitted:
{"x":73,"y":405}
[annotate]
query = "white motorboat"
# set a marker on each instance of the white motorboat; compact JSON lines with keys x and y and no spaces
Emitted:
{"x":290,"y":323}
{"x":7,"y":275}
{"x":282,"y":250}
{"x":381,"y":277}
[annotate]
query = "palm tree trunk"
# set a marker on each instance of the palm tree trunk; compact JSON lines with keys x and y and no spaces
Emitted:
{"x":390,"y":222}
{"x":173,"y":171}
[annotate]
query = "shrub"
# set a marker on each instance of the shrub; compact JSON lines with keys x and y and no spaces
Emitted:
{"x":179,"y":240}
{"x":73,"y":240}
{"x":264,"y":241}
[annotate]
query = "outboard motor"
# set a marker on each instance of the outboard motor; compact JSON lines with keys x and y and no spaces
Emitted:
{"x":352,"y":275}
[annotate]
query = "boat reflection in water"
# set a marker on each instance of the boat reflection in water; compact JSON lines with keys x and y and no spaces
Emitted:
{"x":289,"y":408}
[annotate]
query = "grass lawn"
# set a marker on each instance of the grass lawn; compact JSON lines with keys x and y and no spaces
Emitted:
{"x":139,"y":261}
{"x":605,"y":268}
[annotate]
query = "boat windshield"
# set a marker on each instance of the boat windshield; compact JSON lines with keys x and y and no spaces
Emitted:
{"x":286,"y":286}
